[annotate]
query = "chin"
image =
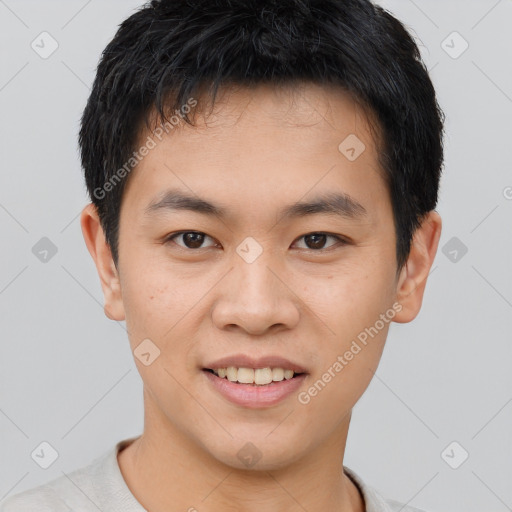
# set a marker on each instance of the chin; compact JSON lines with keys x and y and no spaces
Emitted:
{"x":258,"y":453}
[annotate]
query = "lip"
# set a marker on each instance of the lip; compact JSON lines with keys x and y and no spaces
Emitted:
{"x":245,"y":361}
{"x":253,"y":396}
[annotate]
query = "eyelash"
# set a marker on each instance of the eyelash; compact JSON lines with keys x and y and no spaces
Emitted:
{"x":340,"y":240}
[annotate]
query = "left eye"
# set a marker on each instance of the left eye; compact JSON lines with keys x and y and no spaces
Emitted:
{"x":316,"y":241}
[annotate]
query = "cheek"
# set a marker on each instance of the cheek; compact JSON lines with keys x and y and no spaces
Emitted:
{"x":349,"y":358}
{"x":349,"y":299}
{"x":162,"y":306}
{"x":150,"y":301}
{"x":156,"y":312}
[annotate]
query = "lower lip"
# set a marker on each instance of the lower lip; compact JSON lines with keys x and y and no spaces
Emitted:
{"x":255,"y":396}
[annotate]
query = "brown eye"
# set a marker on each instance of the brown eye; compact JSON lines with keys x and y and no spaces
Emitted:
{"x":191,"y":239}
{"x":317,"y":241}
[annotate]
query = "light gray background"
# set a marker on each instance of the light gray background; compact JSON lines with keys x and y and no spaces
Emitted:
{"x":66,"y":372}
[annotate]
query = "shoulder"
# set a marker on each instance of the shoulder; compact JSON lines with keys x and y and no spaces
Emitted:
{"x":96,"y":486}
{"x":80,"y":489}
{"x":42,"y":498}
{"x":374,"y":501}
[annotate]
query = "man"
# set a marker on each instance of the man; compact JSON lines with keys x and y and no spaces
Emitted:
{"x":263,"y":177}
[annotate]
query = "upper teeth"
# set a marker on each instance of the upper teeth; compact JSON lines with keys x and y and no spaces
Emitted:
{"x":257,"y":376}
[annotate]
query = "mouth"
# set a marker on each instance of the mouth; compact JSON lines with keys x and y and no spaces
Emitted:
{"x":254,"y":388}
{"x":255,"y":376}
{"x":254,"y":382}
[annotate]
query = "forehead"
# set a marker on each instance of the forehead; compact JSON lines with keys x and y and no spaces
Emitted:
{"x":266,"y":142}
{"x":294,"y":105}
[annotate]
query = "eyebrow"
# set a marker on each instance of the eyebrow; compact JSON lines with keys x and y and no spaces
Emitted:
{"x":336,"y":203}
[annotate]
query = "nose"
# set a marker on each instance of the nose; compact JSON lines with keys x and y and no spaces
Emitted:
{"x":255,"y":298}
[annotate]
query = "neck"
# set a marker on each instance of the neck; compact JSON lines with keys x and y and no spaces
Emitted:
{"x":167,"y":471}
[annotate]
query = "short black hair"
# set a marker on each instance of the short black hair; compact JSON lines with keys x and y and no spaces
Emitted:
{"x":170,"y":50}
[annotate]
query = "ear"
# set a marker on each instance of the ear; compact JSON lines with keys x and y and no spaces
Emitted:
{"x":413,"y":276}
{"x":100,"y":251}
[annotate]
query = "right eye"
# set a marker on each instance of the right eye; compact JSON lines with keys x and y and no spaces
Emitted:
{"x":190,"y":239}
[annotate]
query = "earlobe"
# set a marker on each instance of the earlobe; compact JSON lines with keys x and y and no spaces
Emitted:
{"x":100,"y":251}
{"x":414,"y":274}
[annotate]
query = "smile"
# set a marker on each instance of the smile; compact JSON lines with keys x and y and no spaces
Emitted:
{"x":257,"y":376}
{"x":251,"y":394}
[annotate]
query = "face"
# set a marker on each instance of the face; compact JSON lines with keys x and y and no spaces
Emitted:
{"x":256,"y":279}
